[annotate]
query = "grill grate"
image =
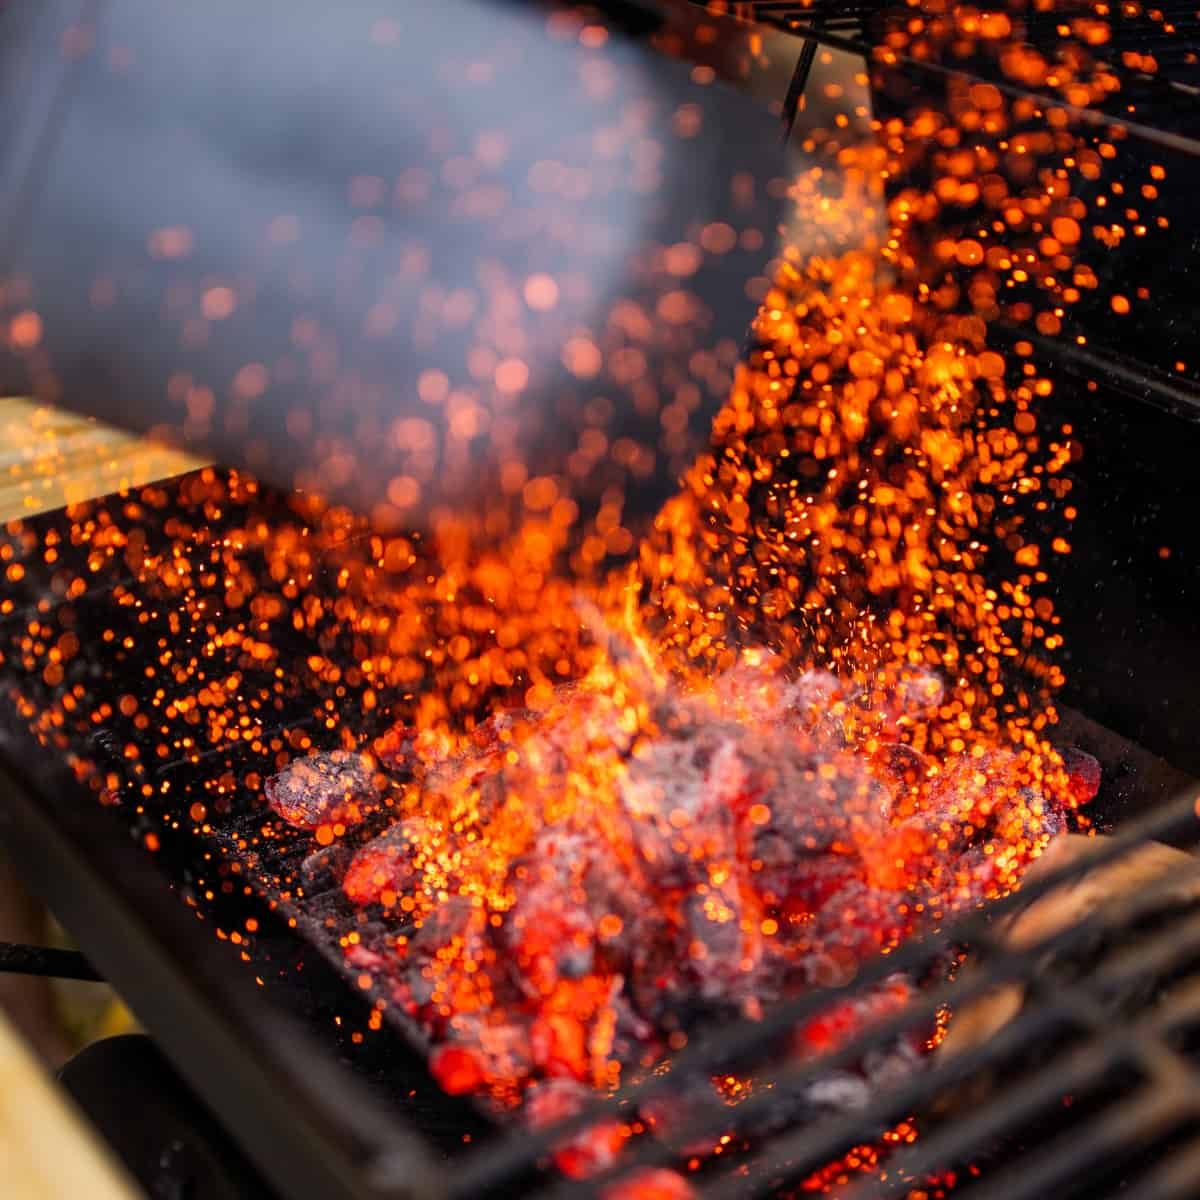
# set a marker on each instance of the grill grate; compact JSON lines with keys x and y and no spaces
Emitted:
{"x":1164,"y":100}
{"x":1112,"y":1037}
{"x":1120,"y":1037}
{"x":1135,"y":1089}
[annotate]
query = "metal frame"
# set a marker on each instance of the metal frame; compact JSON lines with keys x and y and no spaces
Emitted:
{"x":271,"y":1083}
{"x":49,"y":961}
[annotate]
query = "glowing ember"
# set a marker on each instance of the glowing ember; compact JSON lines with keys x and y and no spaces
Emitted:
{"x":571,"y":893}
{"x":811,"y":720}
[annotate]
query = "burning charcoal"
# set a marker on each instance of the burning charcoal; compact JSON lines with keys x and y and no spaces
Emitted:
{"x":1083,"y":775}
{"x":586,"y":1153}
{"x":813,"y":699}
{"x":719,"y":955}
{"x":323,"y":869}
{"x":746,"y":852}
{"x":650,"y":1183}
{"x":753,"y":690}
{"x":500,"y":1044}
{"x":396,"y":750}
{"x":681,"y":814}
{"x":804,"y":832}
{"x":458,"y":1069}
{"x":918,"y":692}
{"x":558,"y":1042}
{"x":548,"y":933}
{"x":797,"y":881}
{"x":454,"y":922}
{"x":854,"y":924}
{"x":384,"y":868}
{"x":364,"y":959}
{"x":903,"y":771}
{"x":324,"y":789}
{"x":635,"y":1040}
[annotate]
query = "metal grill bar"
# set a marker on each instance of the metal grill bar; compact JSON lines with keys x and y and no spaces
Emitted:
{"x":814,"y":1146}
{"x":19,"y":959}
{"x":809,"y":1148}
{"x":1174,"y":1179}
{"x":1158,"y":97}
{"x":801,"y":1153}
{"x":1177,"y":821}
{"x":1065,"y":1158}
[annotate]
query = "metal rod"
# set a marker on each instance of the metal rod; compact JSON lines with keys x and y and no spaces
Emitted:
{"x":799,"y":81}
{"x":17,"y":958}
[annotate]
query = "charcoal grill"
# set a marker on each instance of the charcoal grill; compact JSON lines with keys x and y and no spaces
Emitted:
{"x":1088,"y":1092}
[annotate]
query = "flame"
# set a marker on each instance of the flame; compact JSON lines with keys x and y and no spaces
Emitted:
{"x":878,"y":520}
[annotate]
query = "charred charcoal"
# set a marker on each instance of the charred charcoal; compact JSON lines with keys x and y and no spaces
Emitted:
{"x":458,"y":1069}
{"x":587,"y":1152}
{"x":813,"y":698}
{"x":550,"y":931}
{"x":1083,"y":774}
{"x":386,"y":867}
{"x":323,"y":870}
{"x":577,"y":900}
{"x":324,"y":789}
{"x":396,"y":749}
{"x":681,"y":818}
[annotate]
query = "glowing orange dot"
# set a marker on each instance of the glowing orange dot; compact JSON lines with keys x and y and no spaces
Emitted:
{"x":251,"y":381}
{"x":403,"y":491}
{"x":760,"y":814}
{"x":197,"y":812}
{"x":25,"y":330}
{"x":1119,"y":305}
{"x":218,"y":303}
{"x":610,"y":925}
{"x":582,"y":358}
{"x":541,"y":293}
{"x":769,"y":927}
{"x":969,"y":253}
{"x":173,"y":242}
{"x":718,"y":238}
{"x":682,"y":259}
{"x":324,"y":835}
{"x":511,"y":376}
{"x":1065,"y":230}
{"x":151,"y":842}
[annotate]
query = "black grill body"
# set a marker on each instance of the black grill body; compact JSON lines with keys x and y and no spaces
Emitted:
{"x":264,"y":1023}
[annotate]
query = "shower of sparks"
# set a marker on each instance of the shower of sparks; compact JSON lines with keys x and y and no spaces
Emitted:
{"x":852,"y":584}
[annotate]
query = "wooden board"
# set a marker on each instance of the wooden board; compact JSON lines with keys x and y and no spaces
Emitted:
{"x":49,"y":458}
{"x":47,"y":1152}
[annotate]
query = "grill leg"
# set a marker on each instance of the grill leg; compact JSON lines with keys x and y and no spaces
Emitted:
{"x":795,"y":92}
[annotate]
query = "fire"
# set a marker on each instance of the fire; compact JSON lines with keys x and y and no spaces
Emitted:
{"x":810,"y":719}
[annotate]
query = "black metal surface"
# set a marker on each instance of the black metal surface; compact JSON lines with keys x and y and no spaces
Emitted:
{"x":799,"y":81}
{"x":167,"y":1140}
{"x":19,"y":959}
